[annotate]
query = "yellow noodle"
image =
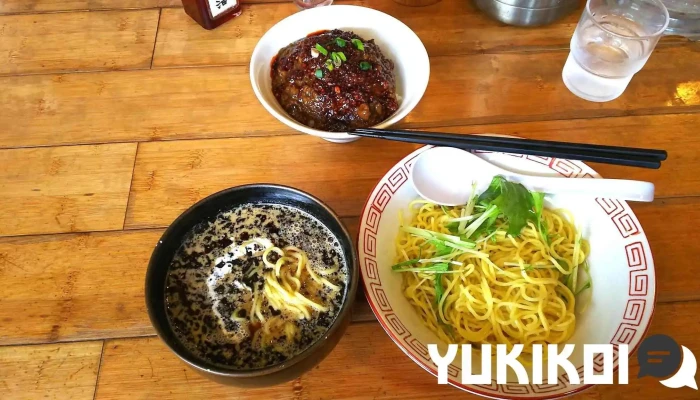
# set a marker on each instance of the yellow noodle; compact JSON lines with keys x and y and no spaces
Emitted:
{"x":513,"y":295}
{"x":282,"y":284}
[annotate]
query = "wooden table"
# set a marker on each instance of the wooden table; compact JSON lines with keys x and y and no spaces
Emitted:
{"x":116,"y":115}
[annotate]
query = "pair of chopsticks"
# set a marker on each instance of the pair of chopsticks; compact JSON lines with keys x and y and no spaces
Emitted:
{"x":629,"y":156}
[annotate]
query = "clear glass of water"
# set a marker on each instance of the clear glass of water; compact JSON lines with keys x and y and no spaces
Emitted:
{"x":306,"y":4}
{"x":612,"y":42}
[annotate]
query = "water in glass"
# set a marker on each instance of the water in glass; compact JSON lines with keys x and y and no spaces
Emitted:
{"x":607,"y":49}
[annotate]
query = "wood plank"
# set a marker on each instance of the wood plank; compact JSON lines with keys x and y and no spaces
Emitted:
{"x":64,"y":189}
{"x":181,"y":103}
{"x":463,"y":29}
{"x":90,"y":285}
{"x":371,"y":365}
{"x":182,"y":41}
{"x":84,"y":41}
{"x":83,"y":286}
{"x":677,"y":134}
{"x":666,"y":225}
{"x":361,"y":311}
{"x":171,"y":176}
{"x":219,"y":102}
{"x":56,"y":371}
{"x":24,"y":6}
{"x":497,"y":88}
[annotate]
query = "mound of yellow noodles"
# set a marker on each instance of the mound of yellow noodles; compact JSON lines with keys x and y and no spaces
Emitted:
{"x":285,"y":271}
{"x":507,"y":290}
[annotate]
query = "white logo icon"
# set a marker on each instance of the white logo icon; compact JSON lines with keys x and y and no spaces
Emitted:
{"x":686,"y":373}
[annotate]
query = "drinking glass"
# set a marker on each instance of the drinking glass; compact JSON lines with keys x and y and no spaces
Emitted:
{"x":612,"y":42}
{"x":306,"y":4}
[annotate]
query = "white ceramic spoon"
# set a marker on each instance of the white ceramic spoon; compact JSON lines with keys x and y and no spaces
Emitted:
{"x":444,"y":175}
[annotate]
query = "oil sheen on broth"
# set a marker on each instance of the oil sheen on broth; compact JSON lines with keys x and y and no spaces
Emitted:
{"x":209,"y":292}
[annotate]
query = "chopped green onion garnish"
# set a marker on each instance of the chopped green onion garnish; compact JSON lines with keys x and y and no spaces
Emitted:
{"x":584,"y":287}
{"x":441,"y":267}
{"x":462,"y":219}
{"x":321,"y":49}
{"x":405,"y":263}
{"x":336,"y":59}
{"x":428,"y":234}
{"x":452,"y":227}
{"x":319,"y":73}
{"x":342,"y":56}
{"x":364,"y":65}
{"x":358,"y":43}
{"x":329,"y":65}
{"x":492,"y":212}
{"x":448,"y":240}
{"x":439,"y":290}
{"x":440,"y":247}
{"x":340,"y":42}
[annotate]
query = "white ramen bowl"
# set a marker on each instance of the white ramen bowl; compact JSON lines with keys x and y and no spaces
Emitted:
{"x":621,"y":266}
{"x":397,"y":42}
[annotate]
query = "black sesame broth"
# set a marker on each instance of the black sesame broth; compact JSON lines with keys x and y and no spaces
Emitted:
{"x":209,"y":280}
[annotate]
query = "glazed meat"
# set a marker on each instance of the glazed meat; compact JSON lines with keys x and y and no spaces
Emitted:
{"x":334,"y":81}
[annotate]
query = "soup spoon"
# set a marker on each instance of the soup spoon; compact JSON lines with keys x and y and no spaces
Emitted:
{"x":444,"y":175}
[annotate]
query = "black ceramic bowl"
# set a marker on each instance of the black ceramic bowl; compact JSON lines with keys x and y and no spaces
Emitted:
{"x":207,"y":210}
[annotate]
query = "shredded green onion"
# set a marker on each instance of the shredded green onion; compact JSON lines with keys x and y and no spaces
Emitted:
{"x":492,"y":211}
{"x":358,"y":43}
{"x":321,"y":49}
{"x":427,"y":234}
{"x":336,"y":59}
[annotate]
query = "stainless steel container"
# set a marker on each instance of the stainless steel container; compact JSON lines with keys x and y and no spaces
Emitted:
{"x":527,"y":12}
{"x":684,"y":18}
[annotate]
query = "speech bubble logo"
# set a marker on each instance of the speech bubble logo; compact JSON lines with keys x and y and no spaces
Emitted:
{"x":658,"y":356}
{"x":686,"y":374}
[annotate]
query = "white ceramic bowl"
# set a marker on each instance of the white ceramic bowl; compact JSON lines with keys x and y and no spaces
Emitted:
{"x":397,"y":41}
{"x":621,"y":265}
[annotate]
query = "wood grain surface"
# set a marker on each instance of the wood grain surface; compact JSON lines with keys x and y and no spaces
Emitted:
{"x":463,"y":30}
{"x":673,"y":133}
{"x":52,"y":371}
{"x":38,"y":6}
{"x":188,"y":103}
{"x":84,"y":41}
{"x":131,"y":106}
{"x":90,"y":285}
{"x":175,"y":175}
{"x":117,"y":115}
{"x":64,"y":189}
{"x":83,"y":286}
{"x":150,"y":370}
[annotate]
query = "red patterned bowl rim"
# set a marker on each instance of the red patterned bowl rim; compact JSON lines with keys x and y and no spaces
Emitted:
{"x":639,"y":260}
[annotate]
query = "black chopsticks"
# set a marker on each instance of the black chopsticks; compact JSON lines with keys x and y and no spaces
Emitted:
{"x":629,"y":156}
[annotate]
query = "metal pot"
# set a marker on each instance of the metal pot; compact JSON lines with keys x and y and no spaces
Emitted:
{"x":684,"y":18}
{"x":527,"y":12}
